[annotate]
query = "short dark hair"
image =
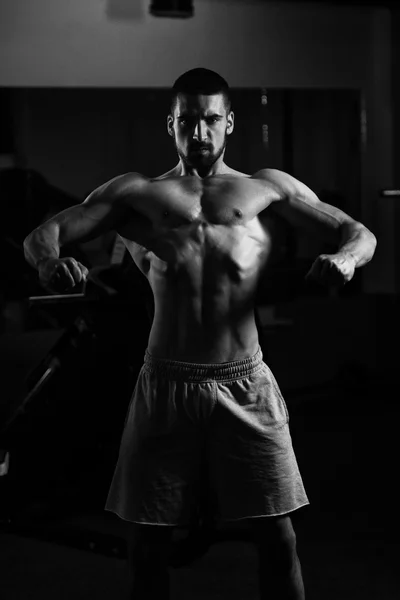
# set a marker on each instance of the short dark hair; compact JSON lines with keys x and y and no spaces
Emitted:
{"x":201,"y":81}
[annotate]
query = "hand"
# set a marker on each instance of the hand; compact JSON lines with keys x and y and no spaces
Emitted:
{"x":332,"y":270}
{"x":61,"y":275}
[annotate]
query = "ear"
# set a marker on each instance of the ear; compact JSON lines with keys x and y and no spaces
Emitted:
{"x":231,"y":123}
{"x":170,"y":125}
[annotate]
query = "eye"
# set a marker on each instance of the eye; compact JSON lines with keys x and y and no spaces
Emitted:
{"x":212,"y":120}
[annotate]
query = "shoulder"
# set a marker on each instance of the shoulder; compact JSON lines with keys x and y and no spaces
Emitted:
{"x":117,"y":189}
{"x":236,"y":173}
{"x":127,"y":183}
{"x":285,"y":185}
{"x":171,"y":174}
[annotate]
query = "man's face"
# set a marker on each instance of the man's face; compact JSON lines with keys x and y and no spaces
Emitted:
{"x":200,"y":126}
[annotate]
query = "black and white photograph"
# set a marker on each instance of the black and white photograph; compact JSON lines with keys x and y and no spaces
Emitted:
{"x":199,"y":299}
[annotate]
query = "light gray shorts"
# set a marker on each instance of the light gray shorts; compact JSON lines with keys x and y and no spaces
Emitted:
{"x":191,"y":427}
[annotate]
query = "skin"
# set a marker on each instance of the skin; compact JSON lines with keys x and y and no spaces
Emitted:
{"x":203,"y":234}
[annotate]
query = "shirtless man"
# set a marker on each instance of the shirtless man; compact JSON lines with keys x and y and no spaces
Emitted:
{"x":204,"y":402}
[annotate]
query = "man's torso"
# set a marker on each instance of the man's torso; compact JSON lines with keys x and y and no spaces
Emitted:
{"x":203,"y":245}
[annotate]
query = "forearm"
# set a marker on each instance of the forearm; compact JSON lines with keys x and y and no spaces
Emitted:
{"x":42,"y":244}
{"x":358,"y":242}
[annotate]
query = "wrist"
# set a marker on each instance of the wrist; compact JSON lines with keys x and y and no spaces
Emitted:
{"x":40,"y":261}
{"x":348,"y":256}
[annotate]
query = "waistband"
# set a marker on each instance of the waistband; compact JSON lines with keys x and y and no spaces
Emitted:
{"x":196,"y":372}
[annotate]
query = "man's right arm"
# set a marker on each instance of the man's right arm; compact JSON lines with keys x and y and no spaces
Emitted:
{"x":99,"y":213}
{"x":102,"y":210}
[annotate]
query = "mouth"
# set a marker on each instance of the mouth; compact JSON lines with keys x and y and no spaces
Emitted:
{"x":200,"y":149}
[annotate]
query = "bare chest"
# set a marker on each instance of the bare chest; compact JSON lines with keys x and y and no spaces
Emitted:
{"x":187,"y":222}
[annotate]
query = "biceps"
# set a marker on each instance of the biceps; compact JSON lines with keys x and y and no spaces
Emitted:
{"x":316,"y":217}
{"x":83,"y":222}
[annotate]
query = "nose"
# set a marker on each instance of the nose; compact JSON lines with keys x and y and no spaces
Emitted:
{"x":199,"y":131}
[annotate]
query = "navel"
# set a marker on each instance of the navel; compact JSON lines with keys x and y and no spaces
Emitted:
{"x":165,"y":214}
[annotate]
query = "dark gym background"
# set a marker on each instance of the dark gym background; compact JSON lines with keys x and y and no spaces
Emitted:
{"x":68,"y":366}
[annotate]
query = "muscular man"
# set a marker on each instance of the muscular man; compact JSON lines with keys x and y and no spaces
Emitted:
{"x":206,"y":410}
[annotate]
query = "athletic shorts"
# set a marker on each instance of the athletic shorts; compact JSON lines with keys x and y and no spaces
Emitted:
{"x":214,"y":431}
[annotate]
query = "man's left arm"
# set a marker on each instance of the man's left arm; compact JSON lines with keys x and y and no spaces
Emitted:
{"x":301,"y":207}
{"x":355,"y":249}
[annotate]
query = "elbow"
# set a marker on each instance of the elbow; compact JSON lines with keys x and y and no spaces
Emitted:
{"x":27,"y":247}
{"x":370,"y":242}
{"x":355,"y":229}
{"x":32,"y":240}
{"x":373,"y":238}
{"x":28,"y":241}
{"x":370,"y":237}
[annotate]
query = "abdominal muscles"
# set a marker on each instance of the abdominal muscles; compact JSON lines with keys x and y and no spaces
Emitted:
{"x":204,"y":280}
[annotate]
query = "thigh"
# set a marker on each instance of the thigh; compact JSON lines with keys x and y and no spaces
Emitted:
{"x":157,"y":474}
{"x":252,"y":462}
{"x":251,"y":408}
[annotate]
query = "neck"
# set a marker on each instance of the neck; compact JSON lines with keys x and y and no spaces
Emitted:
{"x":218,"y":168}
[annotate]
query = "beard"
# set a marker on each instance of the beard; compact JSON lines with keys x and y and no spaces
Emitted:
{"x":201,"y":155}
